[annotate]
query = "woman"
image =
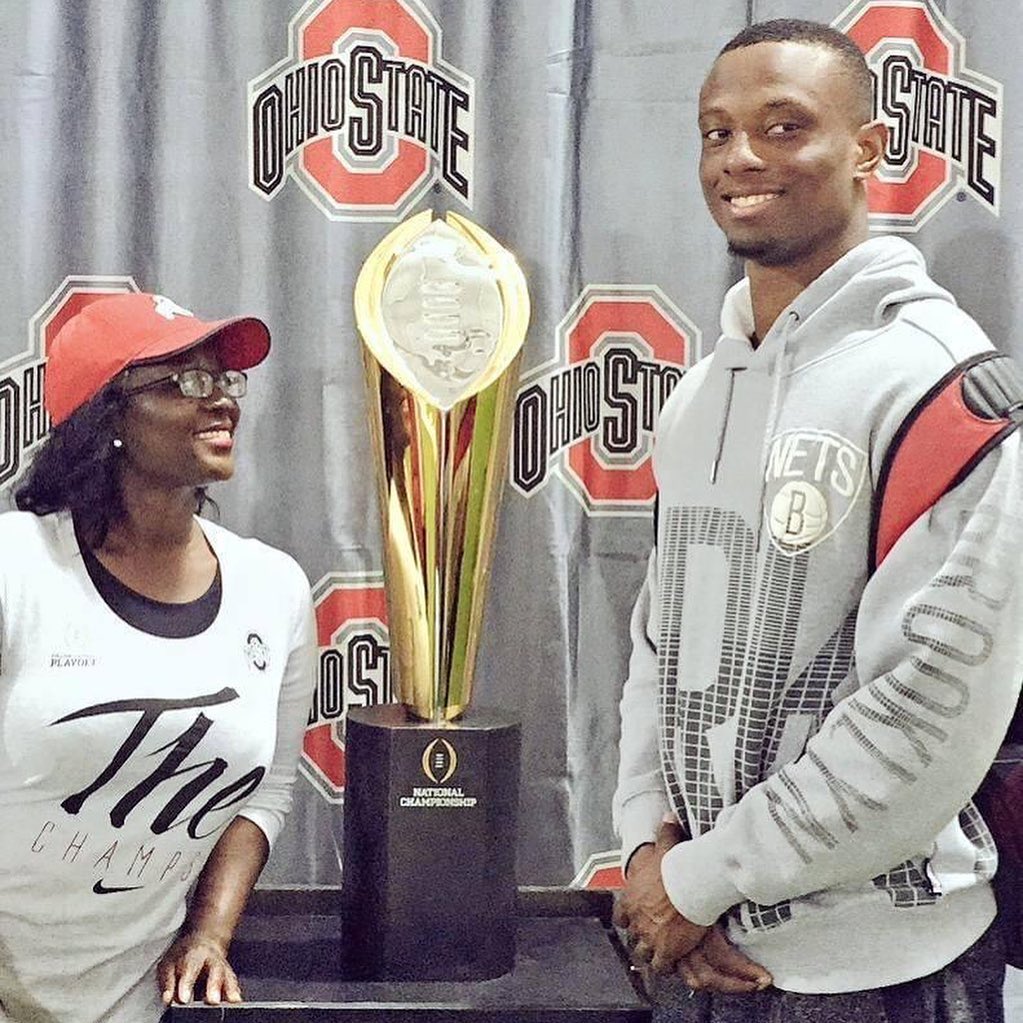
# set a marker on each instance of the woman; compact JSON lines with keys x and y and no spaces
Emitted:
{"x":155,"y":676}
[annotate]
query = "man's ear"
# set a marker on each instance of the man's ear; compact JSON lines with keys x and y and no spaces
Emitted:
{"x":871,"y":142}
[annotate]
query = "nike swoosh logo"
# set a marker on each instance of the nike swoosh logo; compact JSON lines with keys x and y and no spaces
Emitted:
{"x":101,"y":889}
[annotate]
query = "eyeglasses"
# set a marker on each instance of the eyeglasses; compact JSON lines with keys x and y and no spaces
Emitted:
{"x":200,"y":383}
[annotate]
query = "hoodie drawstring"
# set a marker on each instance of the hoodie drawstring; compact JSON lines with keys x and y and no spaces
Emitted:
{"x":723,"y":428}
{"x":778,"y":372}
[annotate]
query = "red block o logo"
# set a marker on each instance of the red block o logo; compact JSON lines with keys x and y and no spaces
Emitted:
{"x":354,"y":670}
{"x":344,"y":186}
{"x":666,"y":342}
{"x":944,"y":118}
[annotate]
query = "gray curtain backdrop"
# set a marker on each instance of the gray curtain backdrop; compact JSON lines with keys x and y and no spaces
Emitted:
{"x":128,"y":162}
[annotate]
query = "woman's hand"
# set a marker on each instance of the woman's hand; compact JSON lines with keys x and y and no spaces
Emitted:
{"x":193,"y":958}
{"x":200,"y":951}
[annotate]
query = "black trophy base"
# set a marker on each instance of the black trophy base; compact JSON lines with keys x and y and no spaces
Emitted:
{"x":429,"y":845}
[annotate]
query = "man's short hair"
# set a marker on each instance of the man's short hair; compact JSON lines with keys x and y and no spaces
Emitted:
{"x":815,"y":33}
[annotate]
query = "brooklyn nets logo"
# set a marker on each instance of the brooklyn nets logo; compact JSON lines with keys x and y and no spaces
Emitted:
{"x":945,"y":119}
{"x":588,"y":415}
{"x":363,"y":113}
{"x":812,"y":481}
{"x":23,"y":419}
{"x":354,"y":671}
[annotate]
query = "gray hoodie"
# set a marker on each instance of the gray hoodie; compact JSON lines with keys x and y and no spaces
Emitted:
{"x":819,"y":733}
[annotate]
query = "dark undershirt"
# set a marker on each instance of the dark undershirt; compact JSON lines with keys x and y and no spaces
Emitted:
{"x":155,"y":617}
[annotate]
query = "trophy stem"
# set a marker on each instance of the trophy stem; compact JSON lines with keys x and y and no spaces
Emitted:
{"x":441,"y":666}
{"x":443,"y":310}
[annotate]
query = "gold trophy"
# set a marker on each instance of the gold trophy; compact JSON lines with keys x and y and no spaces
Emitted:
{"x":432,"y":785}
{"x":442,"y":309}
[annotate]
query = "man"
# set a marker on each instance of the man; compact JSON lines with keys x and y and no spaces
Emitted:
{"x":801,"y":737}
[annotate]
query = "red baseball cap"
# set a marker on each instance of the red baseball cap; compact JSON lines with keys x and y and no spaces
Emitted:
{"x":113,"y":333}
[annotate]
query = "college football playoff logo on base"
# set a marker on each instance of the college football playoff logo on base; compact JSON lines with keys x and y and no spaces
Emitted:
{"x":354,"y":671}
{"x":439,"y":761}
{"x":363,"y":113}
{"x":945,"y":119}
{"x":588,"y":415}
{"x":23,"y":419}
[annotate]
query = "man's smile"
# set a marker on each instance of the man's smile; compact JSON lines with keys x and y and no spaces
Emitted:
{"x":743,"y":202}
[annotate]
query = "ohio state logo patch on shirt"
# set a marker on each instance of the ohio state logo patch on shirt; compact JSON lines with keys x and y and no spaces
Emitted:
{"x":257,"y":651}
{"x":812,"y":480}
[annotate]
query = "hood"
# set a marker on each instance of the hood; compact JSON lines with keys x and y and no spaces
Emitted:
{"x":862,"y":292}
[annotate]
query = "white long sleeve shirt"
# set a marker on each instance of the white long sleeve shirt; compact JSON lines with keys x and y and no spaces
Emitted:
{"x":123,"y":756}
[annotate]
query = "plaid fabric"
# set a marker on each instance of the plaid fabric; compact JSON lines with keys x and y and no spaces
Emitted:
{"x":968,"y":990}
